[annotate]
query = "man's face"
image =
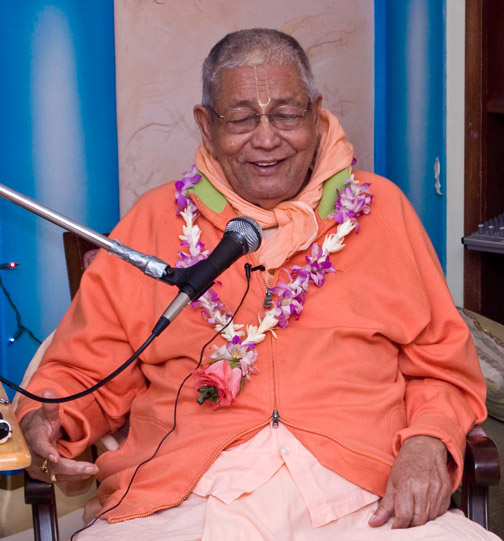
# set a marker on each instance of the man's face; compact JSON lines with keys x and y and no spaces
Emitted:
{"x":266,"y":165}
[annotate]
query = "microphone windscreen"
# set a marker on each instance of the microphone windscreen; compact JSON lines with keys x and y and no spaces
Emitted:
{"x":248,"y":230}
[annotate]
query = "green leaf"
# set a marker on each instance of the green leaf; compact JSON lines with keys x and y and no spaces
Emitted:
{"x":209,"y":392}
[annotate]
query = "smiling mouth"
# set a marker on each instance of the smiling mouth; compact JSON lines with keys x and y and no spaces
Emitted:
{"x":266,"y":164}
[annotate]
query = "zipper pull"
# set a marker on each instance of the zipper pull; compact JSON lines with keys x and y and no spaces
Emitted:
{"x":268,"y":298}
{"x":275,"y":419}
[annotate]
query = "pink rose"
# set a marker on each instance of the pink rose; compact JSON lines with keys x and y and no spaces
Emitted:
{"x":217,"y":383}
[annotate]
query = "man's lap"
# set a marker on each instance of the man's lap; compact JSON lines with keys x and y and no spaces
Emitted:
{"x":263,"y":515}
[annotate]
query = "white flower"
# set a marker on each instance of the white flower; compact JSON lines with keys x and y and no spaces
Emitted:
{"x":255,"y":335}
{"x":346,"y":227}
{"x":192,"y":233}
{"x":219,"y":318}
{"x":230,"y":332}
{"x":221,"y":352}
{"x":188,"y":216}
{"x":332,"y":243}
{"x":268,"y":323}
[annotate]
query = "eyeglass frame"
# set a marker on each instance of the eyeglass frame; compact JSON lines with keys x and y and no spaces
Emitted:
{"x":258,"y":118}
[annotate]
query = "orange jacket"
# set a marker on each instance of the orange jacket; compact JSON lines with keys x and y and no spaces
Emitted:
{"x":379,"y":354}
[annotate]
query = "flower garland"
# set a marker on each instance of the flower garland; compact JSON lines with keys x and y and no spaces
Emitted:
{"x":233,"y":364}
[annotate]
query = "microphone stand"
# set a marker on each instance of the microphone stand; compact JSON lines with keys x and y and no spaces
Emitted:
{"x":148,"y":264}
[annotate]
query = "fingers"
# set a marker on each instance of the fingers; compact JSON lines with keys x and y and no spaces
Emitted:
{"x":384,"y":510}
{"x":402,"y":506}
{"x":73,"y":470}
{"x":418,"y":512}
{"x":45,"y":449}
{"x":416,"y":507}
{"x":412,"y":504}
{"x":65,"y":470}
{"x":408,"y":512}
{"x":440,"y":503}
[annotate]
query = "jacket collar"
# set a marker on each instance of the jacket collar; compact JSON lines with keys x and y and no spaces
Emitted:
{"x":214,"y":206}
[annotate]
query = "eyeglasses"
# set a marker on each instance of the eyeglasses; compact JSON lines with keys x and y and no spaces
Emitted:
{"x":244,"y":120}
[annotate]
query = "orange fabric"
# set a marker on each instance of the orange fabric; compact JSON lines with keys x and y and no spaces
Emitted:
{"x":296,"y":221}
{"x":378,"y":354}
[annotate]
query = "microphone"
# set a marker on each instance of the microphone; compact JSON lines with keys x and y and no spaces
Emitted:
{"x":242,"y":236}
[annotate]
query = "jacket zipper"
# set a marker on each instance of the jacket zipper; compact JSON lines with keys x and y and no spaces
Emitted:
{"x":275,"y":416}
{"x":268,"y":298}
{"x":268,"y":301}
{"x":208,"y":466}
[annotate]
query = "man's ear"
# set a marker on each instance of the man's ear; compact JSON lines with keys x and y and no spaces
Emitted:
{"x":202,"y":117}
{"x":317,"y":105}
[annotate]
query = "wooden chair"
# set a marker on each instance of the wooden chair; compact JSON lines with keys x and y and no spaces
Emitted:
{"x":481,"y":467}
{"x":481,"y":470}
{"x":78,"y":252}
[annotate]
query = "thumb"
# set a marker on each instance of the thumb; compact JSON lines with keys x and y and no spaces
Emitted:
{"x":51,"y":411}
{"x":52,"y":416}
{"x":384,"y":510}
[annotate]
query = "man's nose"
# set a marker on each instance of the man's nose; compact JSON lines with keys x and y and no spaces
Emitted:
{"x":265,"y":134}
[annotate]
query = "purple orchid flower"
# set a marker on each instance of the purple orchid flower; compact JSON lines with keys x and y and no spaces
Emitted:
{"x":352,"y":202}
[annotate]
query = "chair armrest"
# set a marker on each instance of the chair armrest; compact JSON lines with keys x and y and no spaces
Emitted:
{"x":37,"y":491}
{"x":41,"y":497}
{"x":481,"y":469}
{"x":482,"y":459}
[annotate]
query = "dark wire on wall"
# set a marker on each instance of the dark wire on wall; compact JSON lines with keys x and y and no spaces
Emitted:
{"x":20,"y":327}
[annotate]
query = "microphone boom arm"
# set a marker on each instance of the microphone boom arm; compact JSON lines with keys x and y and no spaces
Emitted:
{"x":242,"y":235}
{"x":150,"y":265}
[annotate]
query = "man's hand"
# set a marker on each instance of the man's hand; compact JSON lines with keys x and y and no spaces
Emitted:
{"x":42,"y":429}
{"x":419,"y":486}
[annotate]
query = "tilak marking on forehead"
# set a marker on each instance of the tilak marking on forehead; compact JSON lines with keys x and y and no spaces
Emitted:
{"x":259,"y":101}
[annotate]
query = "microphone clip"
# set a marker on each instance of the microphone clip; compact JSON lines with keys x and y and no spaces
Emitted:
{"x":189,"y":280}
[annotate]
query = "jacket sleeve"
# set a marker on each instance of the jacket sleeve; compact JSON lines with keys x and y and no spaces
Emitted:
{"x":445,"y":389}
{"x":92,"y":340}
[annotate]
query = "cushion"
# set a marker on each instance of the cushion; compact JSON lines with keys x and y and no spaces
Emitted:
{"x":488,"y":338}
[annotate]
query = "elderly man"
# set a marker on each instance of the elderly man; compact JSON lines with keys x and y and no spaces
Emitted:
{"x":335,"y":405}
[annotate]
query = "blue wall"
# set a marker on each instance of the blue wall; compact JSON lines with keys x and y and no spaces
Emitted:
{"x":410,"y":105}
{"x":58,"y":145}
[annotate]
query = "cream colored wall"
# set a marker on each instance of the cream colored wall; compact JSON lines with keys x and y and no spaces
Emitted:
{"x":455,"y":58}
{"x":160,"y":46}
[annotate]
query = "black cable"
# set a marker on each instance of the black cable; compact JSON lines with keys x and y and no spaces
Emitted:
{"x":20,"y":326}
{"x":95,"y":387}
{"x":248,"y":270}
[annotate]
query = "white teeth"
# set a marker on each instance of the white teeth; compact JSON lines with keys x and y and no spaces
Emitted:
{"x":266,"y":164}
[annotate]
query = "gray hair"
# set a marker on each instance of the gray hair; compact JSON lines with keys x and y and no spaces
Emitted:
{"x":253,"y":47}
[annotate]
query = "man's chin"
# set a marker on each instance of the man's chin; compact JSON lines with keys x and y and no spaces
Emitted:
{"x":267,"y":200}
